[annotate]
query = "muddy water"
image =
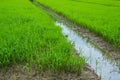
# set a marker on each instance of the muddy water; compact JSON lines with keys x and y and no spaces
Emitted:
{"x":103,"y":67}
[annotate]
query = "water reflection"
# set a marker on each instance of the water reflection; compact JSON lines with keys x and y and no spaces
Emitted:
{"x":104,"y":67}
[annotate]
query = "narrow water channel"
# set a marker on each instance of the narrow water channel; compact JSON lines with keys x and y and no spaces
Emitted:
{"x":104,"y":67}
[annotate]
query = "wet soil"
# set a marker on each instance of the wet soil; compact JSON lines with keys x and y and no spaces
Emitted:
{"x":102,"y":44}
{"x":20,"y":72}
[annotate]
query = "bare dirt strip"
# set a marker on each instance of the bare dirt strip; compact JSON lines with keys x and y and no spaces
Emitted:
{"x":21,"y":72}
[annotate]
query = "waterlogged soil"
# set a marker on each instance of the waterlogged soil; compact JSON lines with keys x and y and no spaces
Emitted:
{"x":95,"y":39}
{"x":21,"y":72}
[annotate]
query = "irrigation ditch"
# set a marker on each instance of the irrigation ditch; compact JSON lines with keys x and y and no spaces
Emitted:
{"x":103,"y":57}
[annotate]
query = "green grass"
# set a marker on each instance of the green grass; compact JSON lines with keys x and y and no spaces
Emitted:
{"x":99,"y":16}
{"x":113,"y":3}
{"x":28,"y":35}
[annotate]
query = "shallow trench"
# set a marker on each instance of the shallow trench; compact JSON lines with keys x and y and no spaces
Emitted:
{"x":101,"y":62}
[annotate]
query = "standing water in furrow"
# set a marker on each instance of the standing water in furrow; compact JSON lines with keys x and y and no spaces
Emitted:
{"x":103,"y":67}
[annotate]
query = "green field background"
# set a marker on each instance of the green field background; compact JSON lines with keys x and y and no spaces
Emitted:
{"x":99,"y":16}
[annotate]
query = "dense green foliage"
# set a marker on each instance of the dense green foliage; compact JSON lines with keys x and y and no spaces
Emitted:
{"x":28,"y":35}
{"x":99,"y":16}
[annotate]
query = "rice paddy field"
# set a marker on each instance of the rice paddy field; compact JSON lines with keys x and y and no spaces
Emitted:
{"x":29,"y":36}
{"x":99,"y":16}
{"x":32,"y":36}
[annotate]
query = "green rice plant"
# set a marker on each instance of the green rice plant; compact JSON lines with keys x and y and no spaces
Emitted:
{"x":14,"y":77}
{"x":28,"y":35}
{"x":99,"y":16}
